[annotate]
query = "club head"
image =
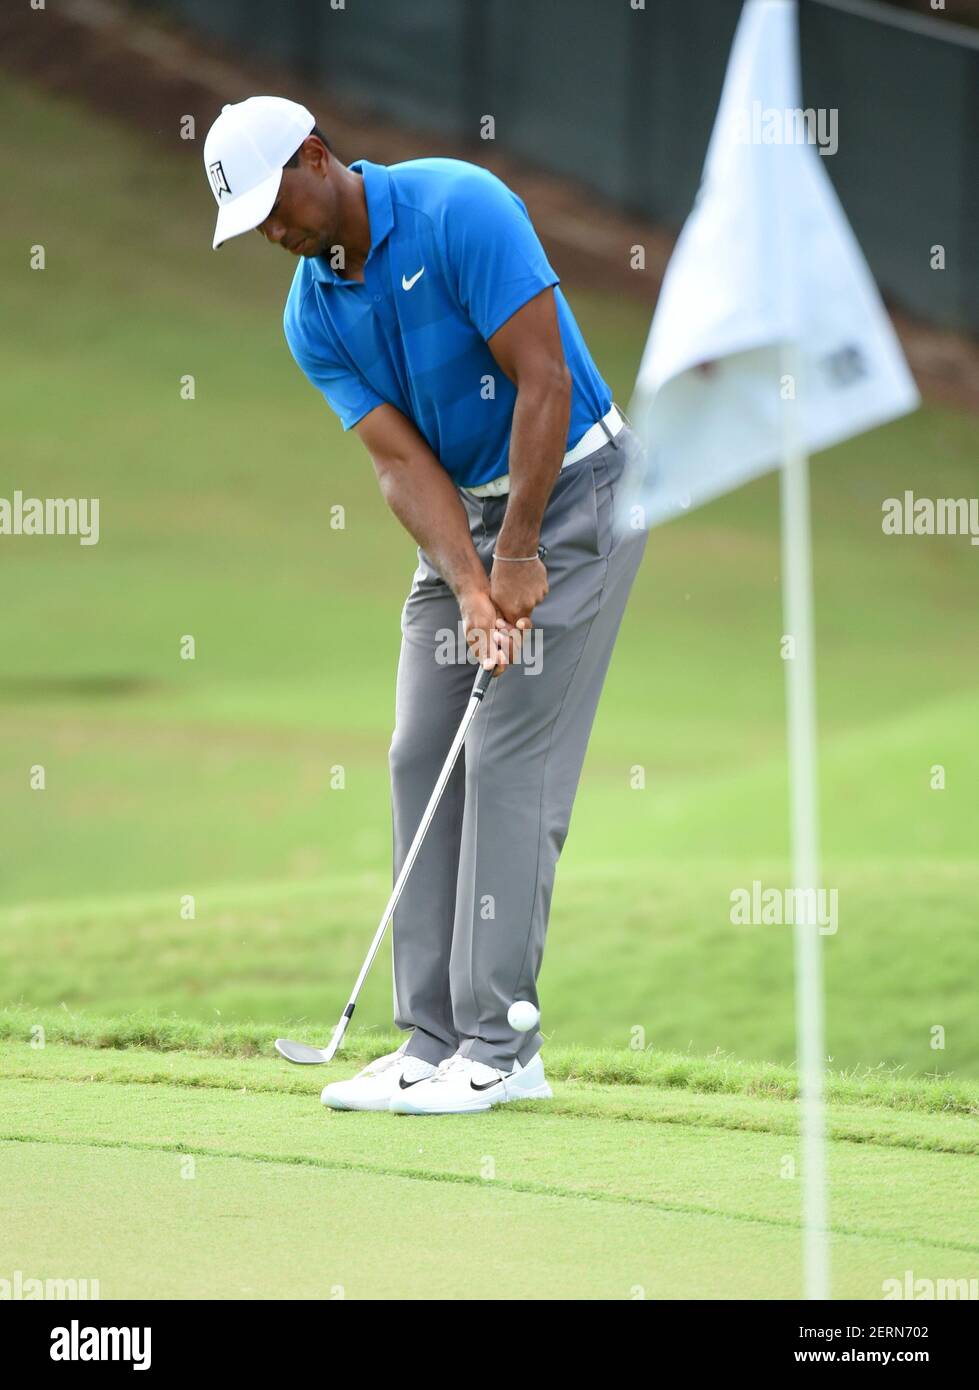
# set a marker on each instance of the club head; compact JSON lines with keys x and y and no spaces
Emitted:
{"x":302,"y":1053}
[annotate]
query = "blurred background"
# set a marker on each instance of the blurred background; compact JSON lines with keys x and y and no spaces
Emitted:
{"x":213,"y":837}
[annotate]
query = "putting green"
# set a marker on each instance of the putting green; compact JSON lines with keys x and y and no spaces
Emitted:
{"x":184,"y":1176}
{"x":214,"y":779}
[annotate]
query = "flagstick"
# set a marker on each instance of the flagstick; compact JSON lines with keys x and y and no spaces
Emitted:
{"x":800,"y":692}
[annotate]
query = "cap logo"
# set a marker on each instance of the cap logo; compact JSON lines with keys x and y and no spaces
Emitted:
{"x":218,"y":179}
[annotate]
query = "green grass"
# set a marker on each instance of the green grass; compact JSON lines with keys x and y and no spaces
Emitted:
{"x":225,"y":1179}
{"x":665,"y":1165}
{"x":714,"y":1075}
{"x":212,"y":777}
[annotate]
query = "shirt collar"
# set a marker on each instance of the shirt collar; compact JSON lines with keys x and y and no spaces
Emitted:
{"x":380,"y":217}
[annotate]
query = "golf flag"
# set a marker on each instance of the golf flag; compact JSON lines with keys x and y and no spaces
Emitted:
{"x":766,"y":259}
{"x":769,"y":341}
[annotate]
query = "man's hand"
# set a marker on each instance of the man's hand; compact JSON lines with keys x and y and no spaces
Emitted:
{"x":517,"y":587}
{"x":494,"y":641}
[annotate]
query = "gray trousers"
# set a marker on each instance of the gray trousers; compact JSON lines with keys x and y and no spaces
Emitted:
{"x":468,"y":933}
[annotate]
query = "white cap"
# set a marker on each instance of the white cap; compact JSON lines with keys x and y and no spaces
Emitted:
{"x":244,"y":154}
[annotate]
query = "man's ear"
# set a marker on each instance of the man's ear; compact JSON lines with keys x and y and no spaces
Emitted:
{"x":314,"y":154}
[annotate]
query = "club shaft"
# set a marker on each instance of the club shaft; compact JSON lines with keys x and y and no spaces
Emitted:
{"x":475,"y":700}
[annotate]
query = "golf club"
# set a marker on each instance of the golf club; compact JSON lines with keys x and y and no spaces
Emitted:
{"x":302,"y":1053}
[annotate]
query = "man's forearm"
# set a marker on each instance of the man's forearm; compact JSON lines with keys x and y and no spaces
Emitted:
{"x":538,"y":438}
{"x":424,"y":499}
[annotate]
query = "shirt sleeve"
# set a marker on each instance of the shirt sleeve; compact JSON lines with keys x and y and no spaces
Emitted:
{"x":347,"y":393}
{"x":492,"y":251}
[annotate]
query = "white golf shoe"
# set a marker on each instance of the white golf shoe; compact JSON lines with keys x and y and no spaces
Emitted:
{"x":463,"y":1086}
{"x":372,"y":1088}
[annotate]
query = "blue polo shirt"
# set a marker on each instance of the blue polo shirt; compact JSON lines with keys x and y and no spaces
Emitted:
{"x":453,"y":256}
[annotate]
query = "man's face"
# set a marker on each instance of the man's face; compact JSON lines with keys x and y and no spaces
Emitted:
{"x":303,"y":218}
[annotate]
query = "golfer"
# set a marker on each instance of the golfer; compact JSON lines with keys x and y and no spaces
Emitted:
{"x":424,"y":309}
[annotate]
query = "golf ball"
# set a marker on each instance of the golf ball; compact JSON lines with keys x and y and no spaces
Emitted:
{"x":522,"y":1016}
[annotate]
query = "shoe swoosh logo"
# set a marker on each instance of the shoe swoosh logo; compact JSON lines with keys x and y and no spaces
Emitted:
{"x":485,"y":1086}
{"x":406,"y":284}
{"x":406,"y":1085}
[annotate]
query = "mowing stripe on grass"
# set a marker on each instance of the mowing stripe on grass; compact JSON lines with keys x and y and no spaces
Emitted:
{"x":750,"y":1176}
{"x":873,"y":1125}
{"x":511,"y":1185}
{"x":716,"y":1074}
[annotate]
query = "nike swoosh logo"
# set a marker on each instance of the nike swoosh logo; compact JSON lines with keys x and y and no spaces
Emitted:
{"x":406,"y":284}
{"x":406,"y":1085}
{"x":486,"y":1084}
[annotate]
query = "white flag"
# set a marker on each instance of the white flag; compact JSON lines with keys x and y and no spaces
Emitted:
{"x":766,"y":259}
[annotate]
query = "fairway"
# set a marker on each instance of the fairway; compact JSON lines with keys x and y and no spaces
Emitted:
{"x":254,"y":778}
{"x":195,"y":721}
{"x":184,"y":1175}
